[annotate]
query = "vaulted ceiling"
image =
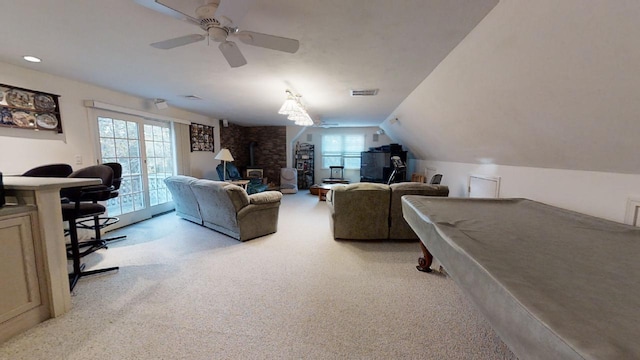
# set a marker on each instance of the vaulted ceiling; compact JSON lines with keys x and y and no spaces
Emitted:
{"x":546,"y":84}
{"x":356,"y":44}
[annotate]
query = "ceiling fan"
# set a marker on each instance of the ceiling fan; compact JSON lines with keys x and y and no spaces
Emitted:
{"x":218,"y":28}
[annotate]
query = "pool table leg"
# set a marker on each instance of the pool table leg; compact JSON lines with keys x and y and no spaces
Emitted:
{"x":424,"y":262}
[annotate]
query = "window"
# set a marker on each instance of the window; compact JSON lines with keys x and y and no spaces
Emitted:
{"x":342,"y":150}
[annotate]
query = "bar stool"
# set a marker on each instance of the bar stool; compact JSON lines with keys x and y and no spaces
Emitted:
{"x":79,"y":208}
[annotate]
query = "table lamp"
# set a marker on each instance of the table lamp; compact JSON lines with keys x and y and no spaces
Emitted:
{"x":224,"y":155}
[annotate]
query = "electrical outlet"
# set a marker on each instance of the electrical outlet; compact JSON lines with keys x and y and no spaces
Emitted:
{"x":78,"y":159}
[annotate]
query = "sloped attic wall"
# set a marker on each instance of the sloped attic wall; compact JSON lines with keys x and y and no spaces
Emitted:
{"x":547,"y":84}
{"x":543,"y":94}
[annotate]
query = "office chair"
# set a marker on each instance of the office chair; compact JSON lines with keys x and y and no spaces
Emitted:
{"x":100,"y":222}
{"x":80,"y":208}
{"x":435,"y":180}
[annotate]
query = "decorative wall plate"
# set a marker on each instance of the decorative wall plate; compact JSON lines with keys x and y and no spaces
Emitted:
{"x":47,"y":121}
{"x":44,"y":102}
{"x":19,"y":98}
{"x":5,"y":116}
{"x":23,"y":119}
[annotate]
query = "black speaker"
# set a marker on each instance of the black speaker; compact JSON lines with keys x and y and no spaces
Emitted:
{"x":2,"y":201}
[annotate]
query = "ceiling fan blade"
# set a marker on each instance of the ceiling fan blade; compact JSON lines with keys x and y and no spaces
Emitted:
{"x":234,"y":10}
{"x":179,"y":41}
{"x":168,"y":8}
{"x":269,"y":41}
{"x":233,"y":55}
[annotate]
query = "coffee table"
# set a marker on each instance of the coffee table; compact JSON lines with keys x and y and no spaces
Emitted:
{"x":323,"y":189}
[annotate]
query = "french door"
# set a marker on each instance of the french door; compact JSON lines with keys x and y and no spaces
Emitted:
{"x":144,"y":148}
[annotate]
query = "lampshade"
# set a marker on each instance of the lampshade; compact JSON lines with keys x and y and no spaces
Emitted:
{"x":301,"y":118}
{"x":295,"y":111}
{"x":224,"y":155}
{"x":290,"y":106}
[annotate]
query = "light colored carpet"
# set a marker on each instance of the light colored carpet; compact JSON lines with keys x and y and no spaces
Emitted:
{"x":187,"y":292}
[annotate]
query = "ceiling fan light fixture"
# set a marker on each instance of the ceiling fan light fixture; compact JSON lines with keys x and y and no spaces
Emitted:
{"x":218,"y":28}
{"x":217,"y":34}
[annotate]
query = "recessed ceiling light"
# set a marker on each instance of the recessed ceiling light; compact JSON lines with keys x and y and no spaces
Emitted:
{"x":32,"y":59}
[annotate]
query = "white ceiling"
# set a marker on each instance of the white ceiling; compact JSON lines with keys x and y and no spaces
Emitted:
{"x":344,"y":44}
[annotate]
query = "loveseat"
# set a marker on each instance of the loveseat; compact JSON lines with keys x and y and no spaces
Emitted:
{"x":372,"y":211}
{"x":225,"y":207}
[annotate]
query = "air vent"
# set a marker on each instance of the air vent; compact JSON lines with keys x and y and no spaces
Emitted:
{"x":192,"y":97}
{"x":370,"y":92}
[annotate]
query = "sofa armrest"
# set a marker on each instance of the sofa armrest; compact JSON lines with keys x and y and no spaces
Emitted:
{"x":265,"y":197}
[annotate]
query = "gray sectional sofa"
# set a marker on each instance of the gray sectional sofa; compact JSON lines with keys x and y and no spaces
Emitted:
{"x":371,"y":211}
{"x":225,"y":207}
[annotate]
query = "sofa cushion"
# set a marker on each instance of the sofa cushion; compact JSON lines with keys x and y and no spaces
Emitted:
{"x":359,"y":211}
{"x":216,"y":206}
{"x":238,"y":196}
{"x":266,"y":197}
{"x":185,"y":200}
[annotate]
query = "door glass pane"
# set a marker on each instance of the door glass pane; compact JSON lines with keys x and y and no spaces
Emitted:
{"x":159,"y":161}
{"x":118,"y":143}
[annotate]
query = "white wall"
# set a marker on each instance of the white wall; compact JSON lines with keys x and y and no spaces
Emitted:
{"x":595,"y":193}
{"x":22,"y":149}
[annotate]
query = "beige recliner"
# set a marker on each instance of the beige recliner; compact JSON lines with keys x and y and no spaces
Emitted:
{"x":398,"y":226}
{"x":359,"y":211}
{"x":371,"y":211}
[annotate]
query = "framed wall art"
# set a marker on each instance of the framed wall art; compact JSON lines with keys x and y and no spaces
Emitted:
{"x":29,"y":109}
{"x":201,"y":137}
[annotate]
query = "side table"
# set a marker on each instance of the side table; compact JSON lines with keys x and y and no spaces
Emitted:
{"x":323,"y":189}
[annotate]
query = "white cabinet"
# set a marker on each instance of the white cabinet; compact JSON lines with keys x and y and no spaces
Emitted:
{"x":24,"y":300}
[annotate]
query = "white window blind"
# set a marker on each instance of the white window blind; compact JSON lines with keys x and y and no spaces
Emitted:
{"x":342,"y":150}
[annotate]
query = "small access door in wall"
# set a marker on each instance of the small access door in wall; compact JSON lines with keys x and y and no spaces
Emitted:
{"x":481,"y":186}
